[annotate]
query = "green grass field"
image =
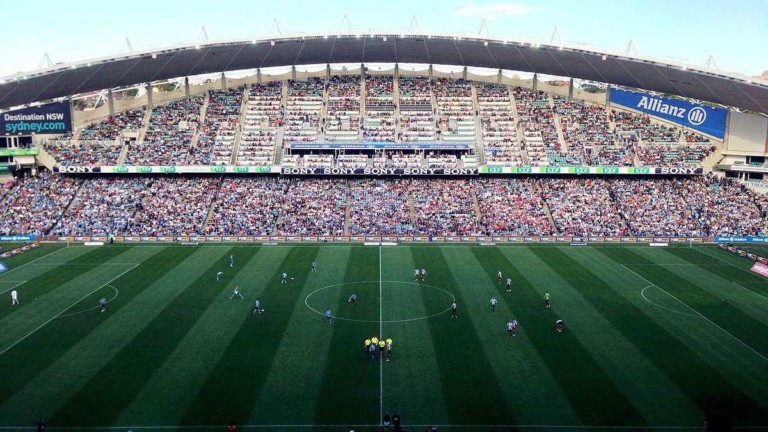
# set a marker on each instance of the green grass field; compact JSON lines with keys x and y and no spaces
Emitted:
{"x":655,"y":338}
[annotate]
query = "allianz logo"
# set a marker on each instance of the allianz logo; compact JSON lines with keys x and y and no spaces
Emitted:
{"x":696,"y":116}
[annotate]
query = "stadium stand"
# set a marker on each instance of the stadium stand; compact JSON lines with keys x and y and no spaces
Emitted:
{"x":379,"y":122}
{"x":216,"y":140}
{"x":342,"y":122}
{"x":314,"y":207}
{"x":169,"y":134}
{"x":263,"y":115}
{"x":171,"y":206}
{"x":455,"y":111}
{"x":34,"y":203}
{"x":104,"y":206}
{"x":303,"y":111}
{"x":500,"y":141}
{"x":417,"y":119}
{"x":537,"y":124}
{"x":381,"y":207}
{"x":511,"y":206}
{"x":247,"y":206}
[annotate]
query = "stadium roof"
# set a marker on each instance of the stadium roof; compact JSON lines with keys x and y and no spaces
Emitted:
{"x":565,"y":60}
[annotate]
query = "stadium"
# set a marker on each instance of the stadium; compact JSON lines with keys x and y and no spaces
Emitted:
{"x":209,"y":235}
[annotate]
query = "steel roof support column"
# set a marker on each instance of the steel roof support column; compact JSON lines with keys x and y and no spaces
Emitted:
{"x":498,"y":77}
{"x":327,"y":71}
{"x":149,"y":96}
{"x":223,"y":81}
{"x":111,"y":103}
{"x":293,"y":72}
{"x":186,"y":87}
{"x":72,"y":117}
{"x":258,"y":76}
{"x":397,"y":72}
{"x":431,"y":72}
{"x":570,"y":90}
{"x":535,"y":82}
{"x":464,"y":73}
{"x":608,"y":96}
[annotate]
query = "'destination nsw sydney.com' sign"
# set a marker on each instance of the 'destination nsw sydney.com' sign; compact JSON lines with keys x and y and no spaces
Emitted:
{"x":53,"y":118}
{"x":702,"y":118}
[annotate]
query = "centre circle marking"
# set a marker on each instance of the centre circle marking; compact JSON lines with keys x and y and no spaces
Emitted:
{"x":306,"y":301}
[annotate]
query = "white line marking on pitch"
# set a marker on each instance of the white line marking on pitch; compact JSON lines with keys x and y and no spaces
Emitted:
{"x":36,"y":259}
{"x":68,"y":308}
{"x":285,"y":426}
{"x":18,"y":284}
{"x":642,"y":294}
{"x":381,"y":335}
{"x":697,"y":312}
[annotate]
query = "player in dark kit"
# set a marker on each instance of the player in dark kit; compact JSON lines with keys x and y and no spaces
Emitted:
{"x":559,"y":326}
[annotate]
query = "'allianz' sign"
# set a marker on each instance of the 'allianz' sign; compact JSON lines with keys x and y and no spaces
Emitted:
{"x":705,"y":119}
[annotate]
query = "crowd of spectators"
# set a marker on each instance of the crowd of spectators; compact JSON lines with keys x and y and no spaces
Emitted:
{"x":417,"y":117}
{"x":110,"y":128}
{"x":84,"y":153}
{"x":303,"y":110}
{"x":511,"y":206}
{"x":35,"y":202}
{"x":216,"y":138}
{"x":672,"y":155}
{"x":169,"y":134}
{"x":380,"y":207}
{"x":537,"y":124}
{"x":691,"y":206}
{"x":342,"y":121}
{"x":247,"y":206}
{"x":314,"y":207}
{"x":455,"y":111}
{"x":379,"y":122}
{"x":173,"y":205}
{"x":583,"y":207}
{"x":500,"y":141}
{"x":107,"y":207}
{"x":264,"y":113}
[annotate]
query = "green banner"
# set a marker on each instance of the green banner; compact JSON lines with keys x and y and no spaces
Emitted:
{"x":18,"y":152}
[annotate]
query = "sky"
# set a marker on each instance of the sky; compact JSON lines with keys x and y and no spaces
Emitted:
{"x":735,"y":32}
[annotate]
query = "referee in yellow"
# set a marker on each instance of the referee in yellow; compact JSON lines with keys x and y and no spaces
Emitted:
{"x":389,"y":349}
{"x":367,"y":344}
{"x":382,"y":345}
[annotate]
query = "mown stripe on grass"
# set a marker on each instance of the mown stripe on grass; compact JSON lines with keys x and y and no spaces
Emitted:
{"x":697,"y":297}
{"x":232,"y":388}
{"x":294,"y":380}
{"x":120,"y":380}
{"x":41,"y":348}
{"x":595,"y":398}
{"x":412,"y":385}
{"x":746,"y":290}
{"x":470,"y":387}
{"x":68,"y":351}
{"x":515,"y":360}
{"x":349,"y":393}
{"x":167,"y":394}
{"x":702,"y":383}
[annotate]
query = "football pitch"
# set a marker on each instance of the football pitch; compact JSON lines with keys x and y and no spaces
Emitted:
{"x":654,"y":339}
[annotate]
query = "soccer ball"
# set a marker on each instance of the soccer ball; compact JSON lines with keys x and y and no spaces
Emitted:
{"x":291,"y":278}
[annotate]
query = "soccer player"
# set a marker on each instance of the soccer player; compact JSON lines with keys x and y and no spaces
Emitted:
{"x":219,"y":276}
{"x":284,"y":280}
{"x":389,"y":349}
{"x":314,"y":266}
{"x":509,"y":284}
{"x":493,"y":304}
{"x":559,"y":326}
{"x":382,"y":345}
{"x":372,"y":350}
{"x":14,"y":297}
{"x":454,"y":310}
{"x":257,"y":307}
{"x":103,"y":303}
{"x":416,"y":273}
{"x":423,"y":274}
{"x":498,"y":277}
{"x":367,"y":344}
{"x":236,"y":293}
{"x":231,"y":260}
{"x":352,"y":298}
{"x":546,"y":298}
{"x":385,"y":421}
{"x":328,"y":316}
{"x":514,"y":327}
